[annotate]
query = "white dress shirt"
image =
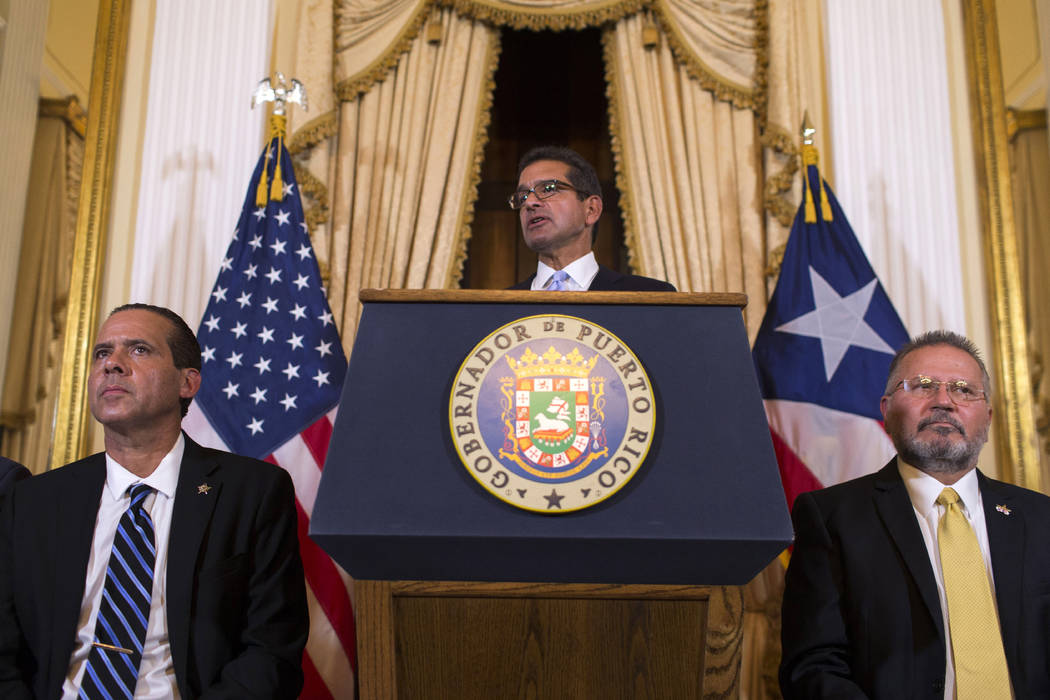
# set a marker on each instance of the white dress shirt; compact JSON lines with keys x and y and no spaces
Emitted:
{"x":156,"y":671}
{"x":581,"y":273}
{"x":923,"y":490}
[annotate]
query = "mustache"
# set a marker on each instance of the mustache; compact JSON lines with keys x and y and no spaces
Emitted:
{"x":939,"y":415}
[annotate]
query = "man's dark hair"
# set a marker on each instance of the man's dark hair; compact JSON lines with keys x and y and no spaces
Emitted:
{"x":941,"y":337}
{"x":182,"y":341}
{"x":581,"y":174}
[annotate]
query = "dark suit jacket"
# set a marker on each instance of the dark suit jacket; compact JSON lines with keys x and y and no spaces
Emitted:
{"x":612,"y":281}
{"x":861,"y":613}
{"x":10,"y":473}
{"x":236,"y":600}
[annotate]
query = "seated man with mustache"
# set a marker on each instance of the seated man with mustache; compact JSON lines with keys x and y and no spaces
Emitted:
{"x":927,"y":578}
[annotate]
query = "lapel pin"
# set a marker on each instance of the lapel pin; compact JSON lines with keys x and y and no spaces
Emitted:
{"x":204,"y":488}
{"x":1003,"y":509}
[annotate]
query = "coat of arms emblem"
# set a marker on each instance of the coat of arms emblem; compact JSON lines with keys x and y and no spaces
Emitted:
{"x":551,"y":413}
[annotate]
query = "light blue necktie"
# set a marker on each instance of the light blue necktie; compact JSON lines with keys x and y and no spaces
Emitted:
{"x":120,"y":629}
{"x":558,"y":281}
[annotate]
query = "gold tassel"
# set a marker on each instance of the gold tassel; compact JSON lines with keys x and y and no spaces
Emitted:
{"x":277,"y":186}
{"x":434,"y":32}
{"x":811,"y":157}
{"x":260,"y":191}
{"x":276,"y":131}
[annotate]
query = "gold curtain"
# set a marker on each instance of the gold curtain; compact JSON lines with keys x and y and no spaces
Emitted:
{"x":403,"y":157}
{"x":690,"y":167}
{"x":709,"y":88}
{"x":41,"y":296}
{"x":1030,"y":166}
{"x":704,"y":98}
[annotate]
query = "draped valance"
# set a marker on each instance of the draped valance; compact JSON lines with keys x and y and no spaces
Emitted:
{"x":720,"y":42}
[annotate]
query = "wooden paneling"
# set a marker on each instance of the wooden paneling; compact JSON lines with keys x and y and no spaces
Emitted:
{"x":518,"y":640}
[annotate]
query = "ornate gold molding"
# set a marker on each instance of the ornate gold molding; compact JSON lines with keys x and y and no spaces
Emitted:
{"x":67,"y":109}
{"x":1017,"y":443}
{"x":1018,"y":120}
{"x":107,"y":79}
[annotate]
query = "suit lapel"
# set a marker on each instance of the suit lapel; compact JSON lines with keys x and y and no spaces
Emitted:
{"x":189,"y":521}
{"x":898,"y":516}
{"x":73,"y":520}
{"x":1006,"y":540}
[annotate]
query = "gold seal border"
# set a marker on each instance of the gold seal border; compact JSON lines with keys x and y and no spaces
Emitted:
{"x":495,"y":460}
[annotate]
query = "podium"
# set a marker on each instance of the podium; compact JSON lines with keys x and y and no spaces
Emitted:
{"x":459,"y":593}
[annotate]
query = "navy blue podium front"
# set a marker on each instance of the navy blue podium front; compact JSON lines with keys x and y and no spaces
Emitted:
{"x":396,"y":502}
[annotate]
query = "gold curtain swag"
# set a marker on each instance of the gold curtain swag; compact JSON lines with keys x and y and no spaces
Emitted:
{"x":723,"y":45}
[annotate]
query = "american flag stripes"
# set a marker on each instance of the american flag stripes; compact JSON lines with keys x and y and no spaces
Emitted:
{"x":273,"y":369}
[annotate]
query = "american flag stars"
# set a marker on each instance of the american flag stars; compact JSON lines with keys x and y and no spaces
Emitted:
{"x":269,"y":322}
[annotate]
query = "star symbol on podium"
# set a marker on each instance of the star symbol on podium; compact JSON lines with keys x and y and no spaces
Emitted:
{"x":838,"y":322}
{"x":554,"y":500}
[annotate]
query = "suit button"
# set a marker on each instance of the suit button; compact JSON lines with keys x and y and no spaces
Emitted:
{"x":938,"y":685}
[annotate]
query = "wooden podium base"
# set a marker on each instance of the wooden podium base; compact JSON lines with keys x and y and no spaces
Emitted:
{"x":423,"y":639}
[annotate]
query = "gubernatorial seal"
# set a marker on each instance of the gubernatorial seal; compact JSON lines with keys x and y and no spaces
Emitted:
{"x":552,"y":413}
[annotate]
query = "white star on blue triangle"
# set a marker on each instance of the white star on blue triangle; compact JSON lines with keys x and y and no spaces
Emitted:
{"x":838,"y":322}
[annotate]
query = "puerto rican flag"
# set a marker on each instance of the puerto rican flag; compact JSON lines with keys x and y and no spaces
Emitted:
{"x":824,"y":348}
{"x":273,"y":370}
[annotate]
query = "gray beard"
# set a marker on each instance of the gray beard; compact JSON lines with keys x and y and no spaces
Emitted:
{"x":940,"y":456}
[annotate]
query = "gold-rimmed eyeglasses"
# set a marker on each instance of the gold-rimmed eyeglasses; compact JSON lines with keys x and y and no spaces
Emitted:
{"x":542,"y":190}
{"x":959,"y":390}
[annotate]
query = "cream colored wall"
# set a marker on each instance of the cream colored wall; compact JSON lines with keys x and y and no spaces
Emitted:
{"x":68,"y":49}
{"x":285,"y":29}
{"x":24,"y":31}
{"x":1024,"y":78}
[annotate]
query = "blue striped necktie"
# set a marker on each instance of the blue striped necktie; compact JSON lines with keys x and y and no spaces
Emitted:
{"x":120,"y":629}
{"x":558,"y":281}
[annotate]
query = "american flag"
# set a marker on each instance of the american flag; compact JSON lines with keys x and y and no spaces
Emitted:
{"x":273,"y":368}
{"x":824,"y":348}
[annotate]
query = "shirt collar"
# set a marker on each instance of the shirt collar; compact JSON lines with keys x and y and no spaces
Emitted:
{"x":581,"y":270}
{"x":163,"y":479}
{"x":923,"y":489}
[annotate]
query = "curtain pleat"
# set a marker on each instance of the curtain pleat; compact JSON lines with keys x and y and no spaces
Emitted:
{"x":407,"y":167}
{"x":689,"y":164}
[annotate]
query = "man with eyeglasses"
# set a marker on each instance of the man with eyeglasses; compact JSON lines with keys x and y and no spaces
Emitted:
{"x":927,"y":578}
{"x":559,"y":201}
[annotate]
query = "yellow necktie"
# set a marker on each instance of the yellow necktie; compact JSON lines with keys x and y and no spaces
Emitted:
{"x":977,"y":645}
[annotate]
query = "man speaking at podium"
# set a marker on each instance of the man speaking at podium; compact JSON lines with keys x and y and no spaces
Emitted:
{"x":159,"y":568}
{"x":559,"y":201}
